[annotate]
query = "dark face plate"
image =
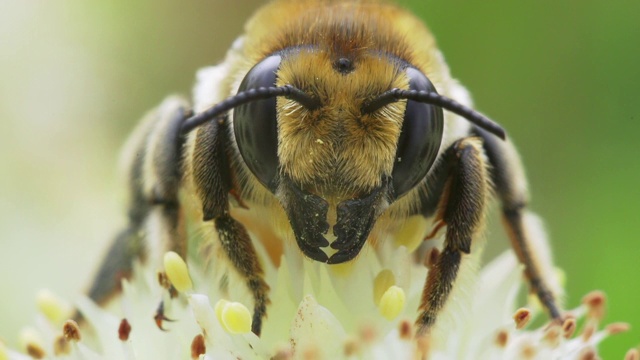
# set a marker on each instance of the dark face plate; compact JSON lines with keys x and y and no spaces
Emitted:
{"x":307,"y":215}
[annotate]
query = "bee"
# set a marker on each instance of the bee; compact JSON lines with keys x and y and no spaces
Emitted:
{"x":337,"y":121}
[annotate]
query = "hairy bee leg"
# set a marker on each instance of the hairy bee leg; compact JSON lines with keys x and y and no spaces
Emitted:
{"x":117,"y":265}
{"x":429,"y":200}
{"x":153,"y":164}
{"x":462,"y":209}
{"x":510,"y":185}
{"x":237,"y":244}
{"x":213,"y":182}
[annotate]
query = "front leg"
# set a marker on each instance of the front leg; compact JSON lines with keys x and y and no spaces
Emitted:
{"x":238,"y":247}
{"x":213,"y":180}
{"x":523,"y":228}
{"x":462,"y":208}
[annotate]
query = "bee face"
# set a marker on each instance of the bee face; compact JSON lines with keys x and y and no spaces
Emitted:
{"x":335,"y":149}
{"x":310,"y":146}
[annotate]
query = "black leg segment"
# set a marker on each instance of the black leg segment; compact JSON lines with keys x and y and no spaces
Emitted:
{"x":462,"y":208}
{"x":238,"y":247}
{"x":214,"y":181}
{"x":509,"y":179}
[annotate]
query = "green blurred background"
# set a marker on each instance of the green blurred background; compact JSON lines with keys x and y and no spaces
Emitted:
{"x":75,"y":76}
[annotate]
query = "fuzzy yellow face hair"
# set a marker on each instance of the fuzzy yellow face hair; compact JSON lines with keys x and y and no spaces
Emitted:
{"x":336,"y":147}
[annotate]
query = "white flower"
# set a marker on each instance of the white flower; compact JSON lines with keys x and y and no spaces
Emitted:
{"x":364,"y":310}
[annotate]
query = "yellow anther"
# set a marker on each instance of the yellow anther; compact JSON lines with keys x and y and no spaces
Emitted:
{"x":177,"y":271}
{"x":383,"y":281}
{"x":411,"y":235}
{"x":219,"y":308}
{"x":234,"y":317}
{"x":392,"y":302}
{"x":51,"y":306}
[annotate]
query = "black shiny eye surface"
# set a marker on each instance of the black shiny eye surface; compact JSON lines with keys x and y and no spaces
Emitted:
{"x":255,"y":124}
{"x":420,"y":137}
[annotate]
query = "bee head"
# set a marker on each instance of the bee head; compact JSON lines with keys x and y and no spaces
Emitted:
{"x":334,"y":145}
{"x":322,"y":130}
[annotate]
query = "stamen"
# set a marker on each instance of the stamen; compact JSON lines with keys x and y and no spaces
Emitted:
{"x":392,"y":302}
{"x":51,"y":306}
{"x":528,"y":351}
{"x":502,"y":338}
{"x":351,"y":347}
{"x":164,"y":281}
{"x":617,"y":328}
{"x":234,"y":317}
{"x":568,"y":328}
{"x":552,"y":336}
{"x":595,"y":302}
{"x":368,"y":334}
{"x":588,"y":354}
{"x":311,"y":352}
{"x":124,"y":330}
{"x":198,"y":347}
{"x":31,"y":342}
{"x":405,"y":330}
{"x":36,"y":351}
{"x":522,"y":317}
{"x":71,"y":331}
{"x":284,"y":353}
{"x":383,"y":281}
{"x":177,"y":272}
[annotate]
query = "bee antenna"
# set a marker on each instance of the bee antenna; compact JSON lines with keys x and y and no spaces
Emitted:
{"x":248,"y":96}
{"x":434,"y":98}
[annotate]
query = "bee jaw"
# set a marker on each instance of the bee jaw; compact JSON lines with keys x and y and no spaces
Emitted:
{"x":307,"y":215}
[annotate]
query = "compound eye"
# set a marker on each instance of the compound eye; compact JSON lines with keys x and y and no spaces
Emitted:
{"x":255,"y":125}
{"x":420,"y":137}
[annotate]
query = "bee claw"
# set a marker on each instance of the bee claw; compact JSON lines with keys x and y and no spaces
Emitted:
{"x":160,"y":317}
